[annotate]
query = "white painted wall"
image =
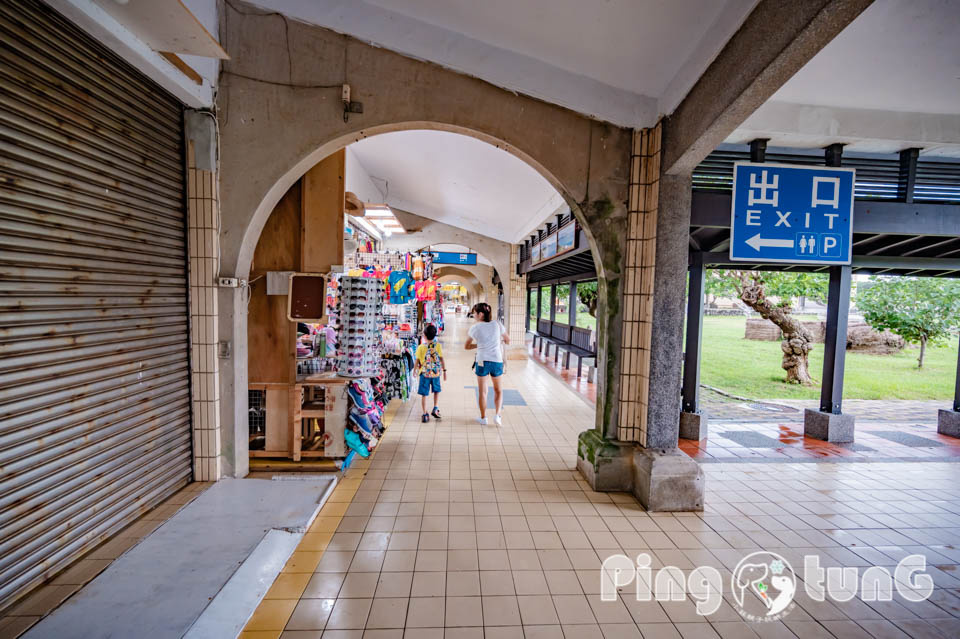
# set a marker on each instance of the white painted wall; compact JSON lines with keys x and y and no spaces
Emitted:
{"x":455,"y":179}
{"x":610,"y":59}
{"x":889,"y":81}
{"x":358,"y":181}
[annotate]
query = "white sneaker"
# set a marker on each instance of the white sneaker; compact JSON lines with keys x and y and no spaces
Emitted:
{"x":498,"y":421}
{"x":482,"y":421}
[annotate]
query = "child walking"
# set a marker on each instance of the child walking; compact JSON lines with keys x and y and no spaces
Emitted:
{"x":430,"y":365}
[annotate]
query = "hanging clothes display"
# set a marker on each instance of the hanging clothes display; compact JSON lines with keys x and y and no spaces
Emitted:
{"x":402,"y":287}
{"x":426,"y":291}
{"x":417,"y":268}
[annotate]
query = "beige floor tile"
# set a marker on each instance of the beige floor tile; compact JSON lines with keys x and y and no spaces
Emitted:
{"x":334,"y":561}
{"x":537,"y":610}
{"x":81,"y":572}
{"x":573,"y":610}
{"x":428,"y":584}
{"x":349,"y":614}
{"x":399,"y":561}
{"x":394,"y":584}
{"x":310,"y":614}
{"x":501,"y":611}
{"x":359,"y":585}
{"x":324,"y":585}
{"x":43,"y":600}
{"x":388,"y":612}
{"x":11,"y":627}
{"x":426,"y":612}
{"x":582,"y":631}
{"x":463,"y":611}
{"x":463,"y":584}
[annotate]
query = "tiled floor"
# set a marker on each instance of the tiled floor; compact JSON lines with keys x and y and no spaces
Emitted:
{"x":772,"y":430}
{"x":459,"y":530}
{"x":585,"y":388}
{"x":784,"y":441}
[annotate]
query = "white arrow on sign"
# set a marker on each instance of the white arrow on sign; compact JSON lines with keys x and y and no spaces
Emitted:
{"x":756,"y":242}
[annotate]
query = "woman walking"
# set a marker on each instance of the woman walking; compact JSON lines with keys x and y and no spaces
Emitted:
{"x":487,"y":337}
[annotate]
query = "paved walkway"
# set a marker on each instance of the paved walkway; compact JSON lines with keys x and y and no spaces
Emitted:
{"x":458,"y":530}
{"x":872,"y":410}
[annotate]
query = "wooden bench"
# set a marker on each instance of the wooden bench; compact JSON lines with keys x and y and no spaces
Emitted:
{"x":574,"y":341}
{"x":580,"y":346}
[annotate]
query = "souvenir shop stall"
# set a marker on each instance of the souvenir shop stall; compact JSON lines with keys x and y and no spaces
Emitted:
{"x":354,"y":361}
{"x":332,"y":325}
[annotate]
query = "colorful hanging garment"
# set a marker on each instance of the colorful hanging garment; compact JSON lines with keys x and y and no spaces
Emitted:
{"x":426,"y":291}
{"x":402,"y":287}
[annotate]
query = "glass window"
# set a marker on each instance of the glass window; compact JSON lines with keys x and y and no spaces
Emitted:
{"x":586,"y":291}
{"x":563,"y":304}
{"x":534,"y":301}
{"x":545,"y":302}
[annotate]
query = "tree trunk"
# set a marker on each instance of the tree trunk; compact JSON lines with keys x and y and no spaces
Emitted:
{"x":797,"y":340}
{"x":923,"y":348}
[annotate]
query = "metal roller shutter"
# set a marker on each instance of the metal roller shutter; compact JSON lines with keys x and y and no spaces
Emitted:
{"x":94,"y":366}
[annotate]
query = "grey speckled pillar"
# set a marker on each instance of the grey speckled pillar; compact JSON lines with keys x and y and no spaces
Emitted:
{"x":669,"y":293}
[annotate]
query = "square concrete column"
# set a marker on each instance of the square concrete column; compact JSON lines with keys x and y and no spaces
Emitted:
{"x":829,"y":423}
{"x":665,"y":478}
{"x":948,"y":421}
{"x":693,"y":422}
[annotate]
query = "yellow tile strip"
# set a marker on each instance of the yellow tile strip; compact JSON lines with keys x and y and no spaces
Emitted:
{"x":273,"y":613}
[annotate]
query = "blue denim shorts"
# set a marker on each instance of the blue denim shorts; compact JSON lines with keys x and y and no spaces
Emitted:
{"x":493,"y":369}
{"x":428,"y":385}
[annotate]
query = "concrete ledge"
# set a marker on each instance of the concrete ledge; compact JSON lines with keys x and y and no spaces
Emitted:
{"x":667,"y":481}
{"x":827,"y":426}
{"x":948,"y":423}
{"x":606,"y":464}
{"x":693,"y":426}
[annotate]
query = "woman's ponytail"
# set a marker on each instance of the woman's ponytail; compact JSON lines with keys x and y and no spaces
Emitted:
{"x":484,"y":310}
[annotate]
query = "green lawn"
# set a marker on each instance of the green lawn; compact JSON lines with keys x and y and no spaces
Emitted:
{"x":752,"y":369}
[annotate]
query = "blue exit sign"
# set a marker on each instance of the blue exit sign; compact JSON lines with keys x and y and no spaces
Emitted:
{"x":790,"y":213}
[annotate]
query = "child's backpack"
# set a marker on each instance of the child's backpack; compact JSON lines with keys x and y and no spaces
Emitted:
{"x":431,"y":361}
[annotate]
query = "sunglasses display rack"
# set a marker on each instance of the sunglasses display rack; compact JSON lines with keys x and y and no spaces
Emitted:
{"x":361,"y":308}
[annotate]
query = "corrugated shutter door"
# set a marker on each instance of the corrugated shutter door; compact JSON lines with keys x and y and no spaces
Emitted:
{"x":94,"y":368}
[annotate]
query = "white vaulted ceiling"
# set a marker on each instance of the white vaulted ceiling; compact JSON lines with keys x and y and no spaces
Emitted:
{"x":454,"y":179}
{"x":624,"y":61}
{"x":889,"y":81}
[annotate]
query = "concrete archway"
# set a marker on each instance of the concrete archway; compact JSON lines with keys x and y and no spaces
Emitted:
{"x":480,"y":277}
{"x":275,"y":124}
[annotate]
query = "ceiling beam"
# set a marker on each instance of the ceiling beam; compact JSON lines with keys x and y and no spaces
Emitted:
{"x":774,"y":42}
{"x":859,"y":261}
{"x":711,"y":209}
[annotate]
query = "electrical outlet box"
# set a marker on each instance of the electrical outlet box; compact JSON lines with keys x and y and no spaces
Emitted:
{"x":228,"y":282}
{"x":345,"y":94}
{"x":278,"y":282}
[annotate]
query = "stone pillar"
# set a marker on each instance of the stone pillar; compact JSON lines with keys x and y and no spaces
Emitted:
{"x":665,"y":478}
{"x":516,"y":309}
{"x":234,"y":381}
{"x":644,"y":456}
{"x":203,"y":211}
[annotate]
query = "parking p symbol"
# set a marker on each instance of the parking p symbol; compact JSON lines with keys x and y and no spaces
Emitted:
{"x":829,"y":245}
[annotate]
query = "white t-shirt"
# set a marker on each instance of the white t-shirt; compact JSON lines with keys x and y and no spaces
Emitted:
{"x":487,"y":336}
